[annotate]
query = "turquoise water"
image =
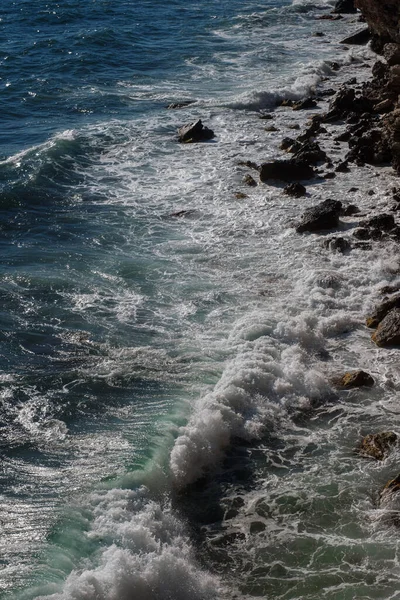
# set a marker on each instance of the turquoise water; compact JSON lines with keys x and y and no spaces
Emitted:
{"x":157,"y":329}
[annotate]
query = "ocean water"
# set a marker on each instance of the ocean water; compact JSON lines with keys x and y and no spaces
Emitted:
{"x":168,"y":425}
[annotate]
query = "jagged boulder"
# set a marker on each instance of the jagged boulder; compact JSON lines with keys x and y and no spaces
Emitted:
{"x":354,"y":379}
{"x":322,"y":216}
{"x":378,"y":445}
{"x":382,"y":310}
{"x":195,"y":132}
{"x":388,"y":331}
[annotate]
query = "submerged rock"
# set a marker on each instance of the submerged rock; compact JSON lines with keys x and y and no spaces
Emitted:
{"x":249,"y":180}
{"x":320,"y":217}
{"x":388,"y":330}
{"x":337,"y":244}
{"x":378,"y":445}
{"x":195,"y":132}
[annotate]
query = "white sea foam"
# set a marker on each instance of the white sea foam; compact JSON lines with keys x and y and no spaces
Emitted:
{"x":144,"y":554}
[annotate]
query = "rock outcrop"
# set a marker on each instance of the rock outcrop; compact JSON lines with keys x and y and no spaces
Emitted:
{"x":378,"y":445}
{"x":322,"y":216}
{"x":383,"y":17}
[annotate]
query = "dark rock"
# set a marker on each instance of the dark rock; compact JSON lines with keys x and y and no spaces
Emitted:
{"x":240,"y":195}
{"x":362,"y":233}
{"x":287,"y":143}
{"x":384,"y":106}
{"x":266,"y":116}
{"x":342,"y":167}
{"x":356,"y":379}
{"x":352,"y":190}
{"x":311,"y":153}
{"x":286,"y":170}
{"x":388,"y":331}
{"x":328,"y":92}
{"x":271,"y":128}
{"x":382,"y":310}
{"x":329,"y":17}
{"x":378,"y":445}
{"x":359,"y":38}
{"x":330,"y":175}
{"x":349,"y":210}
{"x":182,"y":213}
{"x":295,"y":189}
{"x":337,"y":244}
{"x":384,"y":222}
{"x":320,"y":217}
{"x":249,"y":180}
{"x":250,"y":164}
{"x":344,"y":6}
{"x":389,"y":497}
{"x":318,"y":34}
{"x":391,"y":52}
{"x":195,"y":132}
{"x":304,"y":104}
{"x":343,"y":101}
{"x":383,"y":17}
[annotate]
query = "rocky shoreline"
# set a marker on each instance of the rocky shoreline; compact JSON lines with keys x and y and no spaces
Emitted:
{"x":366,"y":120}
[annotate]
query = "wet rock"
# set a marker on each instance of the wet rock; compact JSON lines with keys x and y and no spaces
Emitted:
{"x":337,"y":244}
{"x":350,"y":210}
{"x":240,"y":195}
{"x":286,"y":170}
{"x":384,"y":106}
{"x":378,"y":445}
{"x":359,"y":38}
{"x":330,"y":175}
{"x":304,"y":104}
{"x":287,"y":143}
{"x":343,"y":167}
{"x":388,"y":331}
{"x":356,"y":379}
{"x":385,"y":222}
{"x":297,"y":190}
{"x":343,"y":101}
{"x":323,"y":216}
{"x":182,"y":213}
{"x":271,"y":128}
{"x":249,"y":180}
{"x":344,"y":6}
{"x":382,"y":310}
{"x":389,"y":497}
{"x":194,"y":132}
{"x":266,"y":116}
{"x":249,"y":163}
{"x":311,"y":153}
